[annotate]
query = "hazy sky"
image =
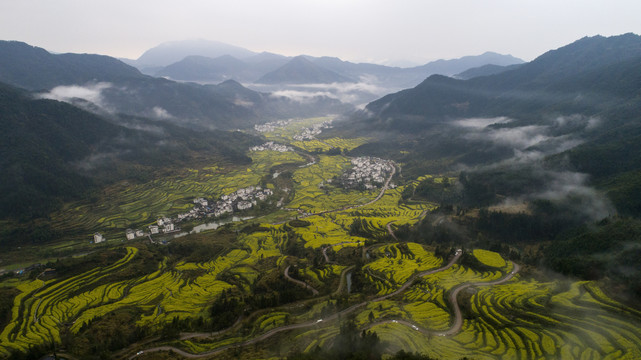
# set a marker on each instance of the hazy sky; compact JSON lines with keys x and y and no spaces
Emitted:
{"x":359,"y":30}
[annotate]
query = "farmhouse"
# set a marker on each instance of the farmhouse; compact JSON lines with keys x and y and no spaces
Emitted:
{"x":153,"y":229}
{"x":271,"y":146}
{"x":98,"y":238}
{"x":130,"y":234}
{"x":169,"y":226}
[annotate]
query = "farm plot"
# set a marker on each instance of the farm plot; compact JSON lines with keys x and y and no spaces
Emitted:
{"x":519,"y":319}
{"x":396,"y":263}
{"x":489,"y":258}
{"x":43,"y":306}
{"x":315,"y":194}
{"x":323,"y":231}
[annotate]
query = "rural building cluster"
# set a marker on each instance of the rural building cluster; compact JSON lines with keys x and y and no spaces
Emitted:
{"x":271,"y":146}
{"x":271,"y":126}
{"x":242,"y":199}
{"x":367,"y":172}
{"x":310,"y":133}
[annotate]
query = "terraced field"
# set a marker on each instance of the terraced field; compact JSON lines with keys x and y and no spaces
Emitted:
{"x":411,"y":297}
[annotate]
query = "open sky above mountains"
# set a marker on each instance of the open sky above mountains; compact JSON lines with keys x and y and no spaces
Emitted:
{"x":379,"y":31}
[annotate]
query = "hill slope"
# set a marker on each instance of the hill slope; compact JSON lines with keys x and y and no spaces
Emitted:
{"x":302,"y":71}
{"x":577,"y":77}
{"x":53,"y":151}
{"x":200,"y":68}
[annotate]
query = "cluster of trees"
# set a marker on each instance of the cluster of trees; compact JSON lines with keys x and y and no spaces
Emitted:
{"x":349,"y":344}
{"x":610,"y":249}
{"x":102,"y":336}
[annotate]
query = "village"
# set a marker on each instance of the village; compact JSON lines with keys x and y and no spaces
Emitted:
{"x":310,"y":133}
{"x":240,"y":200}
{"x":367,"y":172}
{"x":271,"y":126}
{"x":271,"y":146}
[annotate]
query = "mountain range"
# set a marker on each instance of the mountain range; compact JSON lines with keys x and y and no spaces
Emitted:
{"x":114,"y":87}
{"x":214,"y":62}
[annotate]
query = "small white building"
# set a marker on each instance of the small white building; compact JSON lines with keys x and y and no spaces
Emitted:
{"x":169,"y":227}
{"x":139,"y":233}
{"x":153,"y":229}
{"x":244,"y":205}
{"x":130,"y":234}
{"x":98,"y":238}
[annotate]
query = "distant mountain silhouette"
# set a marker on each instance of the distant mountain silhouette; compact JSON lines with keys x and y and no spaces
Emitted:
{"x":300,"y":70}
{"x":485,"y":70}
{"x":171,"y":52}
{"x":409,"y":77}
{"x":200,"y":68}
{"x":265,"y":68}
{"x":455,"y":66}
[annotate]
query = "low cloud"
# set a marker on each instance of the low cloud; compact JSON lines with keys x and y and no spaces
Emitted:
{"x":94,"y":161}
{"x":531,"y":144}
{"x":161,"y":113}
{"x":481,"y":123}
{"x":90,"y":92}
{"x":358,"y":94}
{"x":243,"y":103}
{"x":302,"y":96}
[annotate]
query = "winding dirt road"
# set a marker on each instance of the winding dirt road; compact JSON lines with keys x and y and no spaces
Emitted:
{"x":318,"y":322}
{"x":298,"y":282}
{"x":390,"y":231}
{"x":457,"y":324}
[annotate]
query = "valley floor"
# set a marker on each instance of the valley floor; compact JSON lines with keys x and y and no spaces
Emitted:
{"x":313,"y":256}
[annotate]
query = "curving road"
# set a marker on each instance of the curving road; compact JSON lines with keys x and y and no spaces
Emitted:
{"x":318,"y":322}
{"x":298,"y":282}
{"x":457,"y":324}
{"x":390,"y":231}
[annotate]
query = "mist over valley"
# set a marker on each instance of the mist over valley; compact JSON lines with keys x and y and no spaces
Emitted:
{"x":204,"y":200}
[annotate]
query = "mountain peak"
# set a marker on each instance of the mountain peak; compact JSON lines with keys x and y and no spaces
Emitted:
{"x":174,"y":51}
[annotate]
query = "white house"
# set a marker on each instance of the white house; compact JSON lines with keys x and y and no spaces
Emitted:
{"x":153,"y":229}
{"x":98,"y":238}
{"x":169,"y":227}
{"x":139,"y":233}
{"x":244,"y":205}
{"x":130,"y":234}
